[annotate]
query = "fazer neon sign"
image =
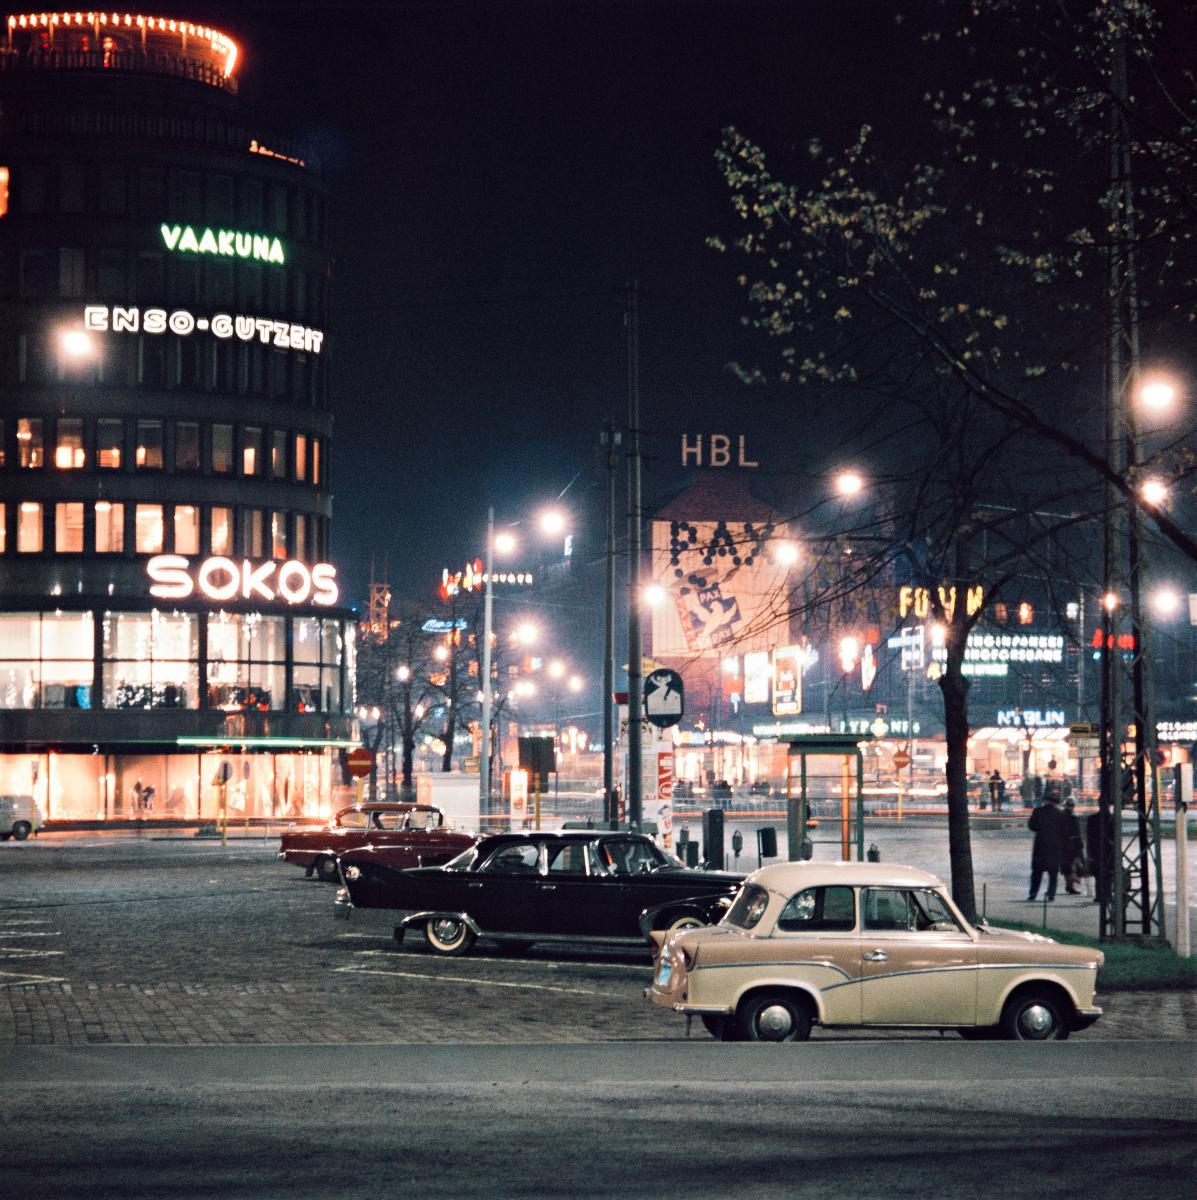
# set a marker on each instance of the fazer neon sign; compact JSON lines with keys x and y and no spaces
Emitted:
{"x":231,"y":243}
{"x":218,"y":578}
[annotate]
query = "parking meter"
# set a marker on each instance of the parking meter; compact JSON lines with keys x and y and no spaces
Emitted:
{"x":737,"y":844}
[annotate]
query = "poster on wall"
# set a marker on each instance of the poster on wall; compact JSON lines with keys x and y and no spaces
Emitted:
{"x":787,"y":680}
{"x":757,"y":677}
{"x":665,"y":797}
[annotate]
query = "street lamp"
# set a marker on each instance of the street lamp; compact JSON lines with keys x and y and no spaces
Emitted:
{"x":1157,"y":394}
{"x":786,"y":554}
{"x":1167,"y":602}
{"x":653,"y":595}
{"x":849,"y":483}
{"x":525,"y":634}
{"x":76,"y":344}
{"x":505,"y":543}
{"x":552,"y":522}
{"x":556,"y":669}
{"x":1154,"y":491}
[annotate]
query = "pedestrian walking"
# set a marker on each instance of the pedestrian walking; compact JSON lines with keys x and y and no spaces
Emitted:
{"x":1074,"y":849}
{"x":1047,"y":823}
{"x":997,"y":790}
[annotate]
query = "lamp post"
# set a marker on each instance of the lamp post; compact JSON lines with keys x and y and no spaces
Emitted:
{"x":487,"y":691}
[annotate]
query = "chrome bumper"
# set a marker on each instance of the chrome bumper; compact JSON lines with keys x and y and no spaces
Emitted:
{"x":342,"y":905}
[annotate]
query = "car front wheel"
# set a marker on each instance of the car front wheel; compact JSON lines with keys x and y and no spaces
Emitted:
{"x":684,"y":921}
{"x":1034,"y":1016}
{"x":773,"y":1016}
{"x":448,"y":935}
{"x":326,"y":868}
{"x":21,"y":830}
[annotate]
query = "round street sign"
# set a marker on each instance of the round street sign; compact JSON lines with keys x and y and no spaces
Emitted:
{"x":359,"y":761}
{"x":664,"y":697}
{"x":901,"y":760}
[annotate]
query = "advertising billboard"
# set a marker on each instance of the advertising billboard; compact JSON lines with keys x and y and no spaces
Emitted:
{"x":758,"y":675}
{"x":787,"y":680}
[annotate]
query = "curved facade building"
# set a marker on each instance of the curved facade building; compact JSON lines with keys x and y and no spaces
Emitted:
{"x":169,"y":621}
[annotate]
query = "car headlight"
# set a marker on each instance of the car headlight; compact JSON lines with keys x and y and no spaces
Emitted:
{"x":353,"y":872}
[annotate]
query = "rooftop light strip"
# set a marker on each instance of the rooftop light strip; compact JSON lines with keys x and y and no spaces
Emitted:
{"x":220,"y":42}
{"x":294,"y":743}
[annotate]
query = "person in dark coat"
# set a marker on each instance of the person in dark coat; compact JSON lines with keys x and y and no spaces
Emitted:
{"x":1073,"y":862}
{"x":997,"y":791}
{"x":1051,"y":836}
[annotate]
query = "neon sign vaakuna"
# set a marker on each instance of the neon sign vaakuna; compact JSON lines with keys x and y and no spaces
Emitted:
{"x":97,"y":318}
{"x":232,"y":243}
{"x":219,"y":578}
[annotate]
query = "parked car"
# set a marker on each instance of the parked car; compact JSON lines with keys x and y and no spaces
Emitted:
{"x":721,"y":790}
{"x":520,"y":888}
{"x":403,"y":835}
{"x":868,"y":944}
{"x":759,"y":787}
{"x":19,"y":817}
{"x":683,"y":789}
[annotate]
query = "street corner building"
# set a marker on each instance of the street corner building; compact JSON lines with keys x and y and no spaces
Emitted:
{"x":171,"y":637}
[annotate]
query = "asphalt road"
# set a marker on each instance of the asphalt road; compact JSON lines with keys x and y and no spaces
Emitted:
{"x":910,"y":1119}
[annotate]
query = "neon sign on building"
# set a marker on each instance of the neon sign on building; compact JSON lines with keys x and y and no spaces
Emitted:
{"x":231,"y":243}
{"x":222,"y":579}
{"x":285,"y":335}
{"x":474,"y":577}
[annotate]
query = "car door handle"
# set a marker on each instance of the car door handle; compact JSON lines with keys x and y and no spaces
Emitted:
{"x":875,"y":956}
{"x":548,"y":887}
{"x":475,"y":885}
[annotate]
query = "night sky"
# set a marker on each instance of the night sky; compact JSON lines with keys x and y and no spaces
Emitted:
{"x":499,"y":171}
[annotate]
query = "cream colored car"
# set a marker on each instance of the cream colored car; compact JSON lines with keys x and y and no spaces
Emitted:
{"x":868,"y":944}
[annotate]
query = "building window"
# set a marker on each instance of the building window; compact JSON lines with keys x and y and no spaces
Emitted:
{"x":251,"y":451}
{"x":317,"y":646}
{"x":148,"y":528}
{"x":110,"y":527}
{"x":31,"y":452}
{"x":301,"y":457}
{"x":187,"y":446}
{"x":113,"y":192}
{"x":68,"y":528}
{"x":70,"y":272}
{"x":222,"y":449}
{"x":315,"y":462}
{"x":110,"y":436}
{"x":251,"y":532}
{"x":31,"y":189}
{"x":68,"y":450}
{"x":278,"y":534}
{"x":246,"y":662}
{"x":149,"y":446}
{"x":220,"y":540}
{"x":278,"y":454}
{"x":151,"y":660}
{"x":186,"y":529}
{"x":29,"y":527}
{"x":301,"y":536}
{"x":70,"y":187}
{"x":34,"y":279}
{"x":151,"y":275}
{"x":46,"y":660}
{"x":110,"y":275}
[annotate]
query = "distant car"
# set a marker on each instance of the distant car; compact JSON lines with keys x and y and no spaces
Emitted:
{"x":683,"y":789}
{"x":19,"y":817}
{"x":721,"y":790}
{"x":760,"y":787}
{"x":519,"y":888}
{"x":866,"y":944}
{"x":403,"y":835}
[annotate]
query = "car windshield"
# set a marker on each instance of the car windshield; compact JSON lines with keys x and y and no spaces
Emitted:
{"x":749,"y":907}
{"x":463,"y":861}
{"x":635,"y":857}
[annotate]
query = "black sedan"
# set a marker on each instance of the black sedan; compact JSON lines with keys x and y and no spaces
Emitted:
{"x":520,"y":888}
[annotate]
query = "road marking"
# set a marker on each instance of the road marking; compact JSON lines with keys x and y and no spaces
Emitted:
{"x":16,"y":933}
{"x":26,"y":921}
{"x":16,"y":952}
{"x":534,"y":987}
{"x":370,"y":937}
{"x":24,"y":979}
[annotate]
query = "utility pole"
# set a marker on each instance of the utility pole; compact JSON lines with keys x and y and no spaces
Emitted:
{"x":610,"y":441}
{"x":635,"y":657}
{"x":487,"y":696}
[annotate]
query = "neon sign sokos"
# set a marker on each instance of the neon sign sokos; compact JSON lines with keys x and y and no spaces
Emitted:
{"x":231,"y":243}
{"x":223,"y":579}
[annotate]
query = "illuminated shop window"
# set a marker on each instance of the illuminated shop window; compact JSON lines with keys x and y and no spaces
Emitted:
{"x":46,"y":660}
{"x":251,"y":451}
{"x":68,"y":528}
{"x":29,"y":527}
{"x":186,"y":529}
{"x":301,"y":457}
{"x":246,"y":662}
{"x":220,"y":530}
{"x":110,"y":438}
{"x":151,"y":660}
{"x":187,"y":446}
{"x":71,"y":282}
{"x":110,"y":527}
{"x":222,"y":449}
{"x":68,"y":449}
{"x":278,"y":534}
{"x":278,"y":454}
{"x":148,"y":454}
{"x":148,"y":528}
{"x":316,"y":668}
{"x":31,"y":451}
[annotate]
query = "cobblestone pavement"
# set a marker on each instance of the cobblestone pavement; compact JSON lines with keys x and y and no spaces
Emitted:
{"x":182,"y":942}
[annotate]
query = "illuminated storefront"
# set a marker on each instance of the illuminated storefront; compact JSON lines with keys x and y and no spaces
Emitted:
{"x":171,"y":634}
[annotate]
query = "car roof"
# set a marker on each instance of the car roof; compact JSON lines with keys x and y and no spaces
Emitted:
{"x":790,"y":876}
{"x":386,"y":806}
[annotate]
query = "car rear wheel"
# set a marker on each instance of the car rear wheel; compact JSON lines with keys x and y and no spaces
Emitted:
{"x":685,"y":921}
{"x":326,"y":868}
{"x":773,"y":1016}
{"x":448,"y":935}
{"x":1034,"y":1016}
{"x":21,"y":830}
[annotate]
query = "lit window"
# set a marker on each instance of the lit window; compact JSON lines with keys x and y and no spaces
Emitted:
{"x":186,"y":529}
{"x":315,"y":462}
{"x":110,"y":436}
{"x":301,"y":536}
{"x":68,"y":452}
{"x":149,"y":446}
{"x":29,"y":528}
{"x":3,"y":453}
{"x":301,"y":457}
{"x":3,"y":528}
{"x":30,"y":449}
{"x":278,"y":534}
{"x":187,"y":447}
{"x":251,"y":451}
{"x":251,"y":532}
{"x":110,"y":527}
{"x":3,"y":191}
{"x":1026,"y":613}
{"x":278,"y":454}
{"x":222,"y":530}
{"x":148,"y":520}
{"x":222,"y":449}
{"x":68,"y":528}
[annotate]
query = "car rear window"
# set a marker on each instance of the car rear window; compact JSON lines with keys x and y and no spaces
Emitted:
{"x":749,"y":907}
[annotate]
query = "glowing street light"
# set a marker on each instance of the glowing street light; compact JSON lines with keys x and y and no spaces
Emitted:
{"x":552,"y":522}
{"x":556,"y":669}
{"x":787,"y":553}
{"x":441,"y":653}
{"x":526,"y":634}
{"x":1157,"y":394}
{"x":1154,"y":491}
{"x":77,"y":344}
{"x":504,"y":542}
{"x":849,"y":483}
{"x":1110,"y":601}
{"x":403,"y":674}
{"x":575,"y":683}
{"x":653,"y":595}
{"x":1166,"y":602}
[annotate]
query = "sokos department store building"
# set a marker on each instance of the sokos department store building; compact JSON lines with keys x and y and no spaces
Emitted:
{"x":169,"y":623}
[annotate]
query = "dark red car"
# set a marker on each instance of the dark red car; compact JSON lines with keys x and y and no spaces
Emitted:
{"x":404,"y":835}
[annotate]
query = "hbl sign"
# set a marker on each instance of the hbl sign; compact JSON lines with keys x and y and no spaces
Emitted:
{"x":718,"y":451}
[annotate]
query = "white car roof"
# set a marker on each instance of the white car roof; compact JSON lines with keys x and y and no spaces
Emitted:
{"x":789,"y":877}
